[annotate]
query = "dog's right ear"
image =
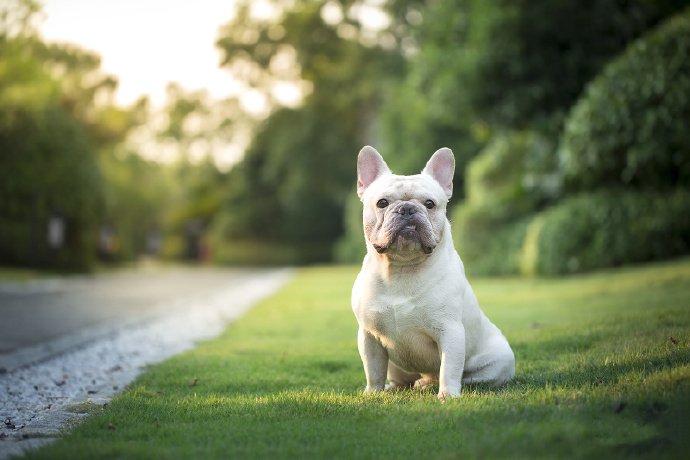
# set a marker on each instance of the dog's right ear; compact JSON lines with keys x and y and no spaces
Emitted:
{"x":370,"y":166}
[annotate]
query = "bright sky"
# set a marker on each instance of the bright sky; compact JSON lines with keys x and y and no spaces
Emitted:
{"x":147,"y":43}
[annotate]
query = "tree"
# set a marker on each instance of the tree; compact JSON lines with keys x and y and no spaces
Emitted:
{"x":300,"y":165}
{"x":630,"y":126}
{"x":522,"y":64}
{"x":49,"y":177}
{"x":59,"y":131}
{"x":48,"y":171}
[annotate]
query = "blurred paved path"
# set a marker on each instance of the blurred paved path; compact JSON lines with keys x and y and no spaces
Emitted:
{"x":76,"y":340}
{"x":49,"y":316}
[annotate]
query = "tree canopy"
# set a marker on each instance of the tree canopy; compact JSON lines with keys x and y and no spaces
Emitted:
{"x":539,"y":100}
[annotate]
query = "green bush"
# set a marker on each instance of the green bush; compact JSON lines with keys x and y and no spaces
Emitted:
{"x":515,"y":173}
{"x":487,"y":247}
{"x":508,"y":181}
{"x":522,"y":61}
{"x":351,"y":247}
{"x":229,"y":248}
{"x":265,"y":253}
{"x":631,"y":125}
{"x":608,"y":228}
{"x":48,"y":168}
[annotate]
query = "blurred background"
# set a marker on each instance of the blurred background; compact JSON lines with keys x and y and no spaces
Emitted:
{"x":226,"y":132}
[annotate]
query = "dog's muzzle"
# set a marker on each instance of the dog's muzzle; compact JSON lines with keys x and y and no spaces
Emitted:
{"x":407,"y":221}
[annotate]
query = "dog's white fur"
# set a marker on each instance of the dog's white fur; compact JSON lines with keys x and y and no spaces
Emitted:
{"x":419,"y":320}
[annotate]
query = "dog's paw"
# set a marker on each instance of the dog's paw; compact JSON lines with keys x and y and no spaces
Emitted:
{"x":446,"y":395}
{"x":372,"y":390}
{"x":423,"y":383}
{"x":394,"y":386}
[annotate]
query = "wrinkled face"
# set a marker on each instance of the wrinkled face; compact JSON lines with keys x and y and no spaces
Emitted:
{"x":404,"y":216}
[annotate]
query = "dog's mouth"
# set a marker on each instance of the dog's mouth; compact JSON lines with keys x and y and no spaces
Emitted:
{"x":408,"y":238}
{"x":409,"y":232}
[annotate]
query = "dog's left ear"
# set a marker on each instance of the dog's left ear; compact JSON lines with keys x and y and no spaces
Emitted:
{"x":441,"y":166}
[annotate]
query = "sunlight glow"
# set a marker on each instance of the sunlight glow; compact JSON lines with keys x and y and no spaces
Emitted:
{"x":254,"y":102}
{"x":288,"y":93}
{"x":147,"y":44}
{"x":370,"y":15}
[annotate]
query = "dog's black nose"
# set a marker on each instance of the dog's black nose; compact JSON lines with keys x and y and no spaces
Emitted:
{"x":406,"y":209}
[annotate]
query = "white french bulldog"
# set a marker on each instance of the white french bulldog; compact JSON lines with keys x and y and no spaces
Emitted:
{"x":419,"y":320}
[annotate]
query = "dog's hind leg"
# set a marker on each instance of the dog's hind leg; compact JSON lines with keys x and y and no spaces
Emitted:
{"x":494,"y":364}
{"x":426,"y":381}
{"x":398,"y":378}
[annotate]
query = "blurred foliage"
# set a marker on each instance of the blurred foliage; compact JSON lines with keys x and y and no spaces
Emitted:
{"x":508,"y":181}
{"x":526,"y":62}
{"x":512,"y":175}
{"x":559,"y":125}
{"x":607,"y":228}
{"x":630,"y":128}
{"x":47,"y":169}
{"x":351,"y":247}
{"x":480,"y":71}
{"x":492,"y":249}
{"x":492,"y":80}
{"x":621,"y":115}
{"x":136,"y":194}
{"x":416,"y":118}
{"x":291,"y":185}
{"x":62,"y":161}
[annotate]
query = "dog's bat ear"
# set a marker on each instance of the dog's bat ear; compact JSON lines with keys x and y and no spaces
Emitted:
{"x":441,"y":166}
{"x":370,"y":166}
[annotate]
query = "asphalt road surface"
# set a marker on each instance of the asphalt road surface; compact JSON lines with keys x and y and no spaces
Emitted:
{"x":46,"y":310}
{"x":74,"y":340}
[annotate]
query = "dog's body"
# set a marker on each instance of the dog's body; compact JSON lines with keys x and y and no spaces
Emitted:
{"x":419,"y":320}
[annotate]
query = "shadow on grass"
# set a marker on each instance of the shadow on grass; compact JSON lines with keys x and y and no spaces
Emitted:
{"x":487,"y":422}
{"x":594,"y":368}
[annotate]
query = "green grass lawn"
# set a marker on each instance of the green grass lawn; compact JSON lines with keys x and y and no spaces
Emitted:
{"x":603,"y":371}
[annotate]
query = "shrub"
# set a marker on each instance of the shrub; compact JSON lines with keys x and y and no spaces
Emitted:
{"x":487,"y":247}
{"x":48,"y":168}
{"x":515,"y":173}
{"x":525,"y":60}
{"x":265,"y":253}
{"x":631,"y":125}
{"x":351,"y":247}
{"x":607,"y":228}
{"x":228,"y":248}
{"x":509,"y":180}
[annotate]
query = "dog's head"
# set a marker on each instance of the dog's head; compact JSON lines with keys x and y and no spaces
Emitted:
{"x":404,"y":216}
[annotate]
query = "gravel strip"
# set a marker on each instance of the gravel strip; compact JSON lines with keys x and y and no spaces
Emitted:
{"x":37,"y":402}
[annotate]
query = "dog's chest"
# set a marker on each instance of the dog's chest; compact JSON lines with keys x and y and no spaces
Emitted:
{"x":405,"y":326}
{"x":393,"y":311}
{"x":391,"y":319}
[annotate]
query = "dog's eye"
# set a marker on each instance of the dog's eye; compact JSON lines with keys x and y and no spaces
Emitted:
{"x":429,"y":204}
{"x":382,"y":203}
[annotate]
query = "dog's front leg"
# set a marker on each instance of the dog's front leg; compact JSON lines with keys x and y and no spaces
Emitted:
{"x":452,"y":345}
{"x":375,"y":360}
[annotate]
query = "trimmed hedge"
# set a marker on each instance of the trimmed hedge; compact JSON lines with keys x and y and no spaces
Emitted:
{"x":631,"y":126}
{"x":607,"y":228}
